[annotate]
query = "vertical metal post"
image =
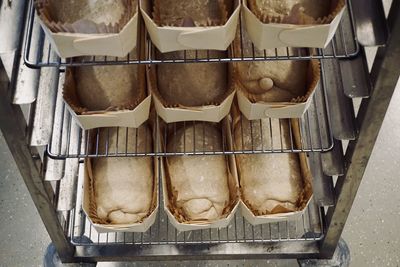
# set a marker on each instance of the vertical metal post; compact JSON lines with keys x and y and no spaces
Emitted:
{"x":384,"y":75}
{"x":13,"y":127}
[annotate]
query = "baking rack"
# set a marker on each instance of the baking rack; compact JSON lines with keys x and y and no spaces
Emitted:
{"x":163,"y":232}
{"x":34,"y":119}
{"x":344,"y":45}
{"x":70,"y":141}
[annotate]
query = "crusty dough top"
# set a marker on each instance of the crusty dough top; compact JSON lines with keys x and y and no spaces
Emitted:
{"x":201,"y":12}
{"x":268,"y":179}
{"x":199,"y":182}
{"x":123,"y":186}
{"x":313,"y":8}
{"x":272,"y":81}
{"x":98,"y":11}
{"x":101,"y":87}
{"x":192,"y":84}
{"x":200,"y":137}
{"x":121,"y":140}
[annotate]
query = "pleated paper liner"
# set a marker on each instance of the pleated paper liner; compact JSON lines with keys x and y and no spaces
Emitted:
{"x":222,"y":10}
{"x":336,"y":7}
{"x":268,"y":32}
{"x":87,"y":38}
{"x":90,"y":206}
{"x":173,"y":112}
{"x":313,"y":78}
{"x":132,"y":113}
{"x":214,"y":34}
{"x":279,"y":213}
{"x":255,"y":109}
{"x":176,"y":215}
{"x":46,"y":10}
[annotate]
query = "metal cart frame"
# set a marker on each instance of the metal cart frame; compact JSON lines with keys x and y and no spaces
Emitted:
{"x":383,"y":77}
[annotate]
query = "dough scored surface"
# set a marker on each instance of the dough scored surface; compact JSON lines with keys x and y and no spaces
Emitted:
{"x":200,"y":183}
{"x":124,"y":186}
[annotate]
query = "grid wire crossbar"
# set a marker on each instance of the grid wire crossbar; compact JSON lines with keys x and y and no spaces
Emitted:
{"x":162,"y":232}
{"x":315,"y":135}
{"x":239,"y":231}
{"x":344,"y":45}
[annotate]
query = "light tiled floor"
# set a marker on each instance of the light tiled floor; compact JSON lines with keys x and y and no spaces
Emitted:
{"x":373,"y":227}
{"x":23,"y":238}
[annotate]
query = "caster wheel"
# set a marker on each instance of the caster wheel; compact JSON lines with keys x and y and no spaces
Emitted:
{"x":341,"y":258}
{"x":51,"y":258}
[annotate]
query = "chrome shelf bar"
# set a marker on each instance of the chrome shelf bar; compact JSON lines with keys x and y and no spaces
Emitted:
{"x":344,"y":45}
{"x":314,"y":139}
{"x":162,"y":237}
{"x":315,"y":131}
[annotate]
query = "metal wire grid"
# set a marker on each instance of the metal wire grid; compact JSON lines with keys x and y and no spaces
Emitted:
{"x":239,"y":231}
{"x":308,"y":227}
{"x":69,"y":141}
{"x":344,"y":45}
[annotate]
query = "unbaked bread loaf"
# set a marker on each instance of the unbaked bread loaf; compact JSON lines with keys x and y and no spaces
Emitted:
{"x":199,"y":183}
{"x":123,"y":187}
{"x":292,"y":11}
{"x":193,"y":84}
{"x":189,"y":13}
{"x":272,"y":81}
{"x":101,"y":87}
{"x":97,"y":11}
{"x":267,"y":181}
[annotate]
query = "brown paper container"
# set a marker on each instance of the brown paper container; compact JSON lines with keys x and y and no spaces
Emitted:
{"x":132,"y":114}
{"x":212,"y":112}
{"x":177,"y":218}
{"x":254,"y":110}
{"x":281,"y":213}
{"x":69,"y":40}
{"x":270,"y":32}
{"x":168,"y":39}
{"x":90,"y":208}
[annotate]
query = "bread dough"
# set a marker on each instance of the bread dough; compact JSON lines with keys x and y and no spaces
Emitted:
{"x":199,"y":12}
{"x":200,"y":183}
{"x":123,"y":187}
{"x":192,"y":84}
{"x":101,"y":87}
{"x":275,"y":80}
{"x":294,"y":11}
{"x":98,"y":11}
{"x":268,"y":180}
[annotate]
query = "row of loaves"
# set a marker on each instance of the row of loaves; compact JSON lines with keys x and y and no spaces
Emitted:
{"x":120,"y":183}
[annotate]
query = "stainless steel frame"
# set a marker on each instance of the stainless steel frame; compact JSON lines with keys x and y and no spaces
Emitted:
{"x":384,"y":76}
{"x":314,"y":235}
